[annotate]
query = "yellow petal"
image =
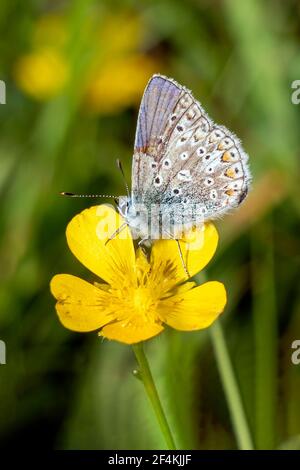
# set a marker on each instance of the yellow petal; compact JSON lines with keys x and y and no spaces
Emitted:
{"x":197,"y":250}
{"x":131,"y":333}
{"x":181,"y":289}
{"x":87,"y":234}
{"x":194,"y":309}
{"x":80,"y":305}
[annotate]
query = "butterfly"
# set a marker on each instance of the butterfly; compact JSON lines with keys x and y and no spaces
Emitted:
{"x":186,"y":169}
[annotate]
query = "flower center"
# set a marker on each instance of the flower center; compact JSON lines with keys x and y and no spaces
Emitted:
{"x":143,"y":300}
{"x":136,"y":304}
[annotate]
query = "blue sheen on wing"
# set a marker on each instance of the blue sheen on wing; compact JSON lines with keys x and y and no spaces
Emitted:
{"x":159,"y":100}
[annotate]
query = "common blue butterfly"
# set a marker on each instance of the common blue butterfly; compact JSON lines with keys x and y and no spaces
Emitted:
{"x":186,"y":169}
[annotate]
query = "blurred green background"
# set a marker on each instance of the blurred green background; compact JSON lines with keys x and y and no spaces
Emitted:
{"x":75,"y":72}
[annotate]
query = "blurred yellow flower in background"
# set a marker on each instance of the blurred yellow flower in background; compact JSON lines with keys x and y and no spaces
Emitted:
{"x":115,"y":69}
{"x":43,"y":71}
{"x":42,"y":74}
{"x":140,"y":295}
{"x":119,"y":83}
{"x":118,"y":79}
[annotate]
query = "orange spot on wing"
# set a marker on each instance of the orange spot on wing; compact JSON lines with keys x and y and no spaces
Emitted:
{"x":229,"y":192}
{"x":226,"y":157}
{"x":230,"y":173}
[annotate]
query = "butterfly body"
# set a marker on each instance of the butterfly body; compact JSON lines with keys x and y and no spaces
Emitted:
{"x":186,"y":169}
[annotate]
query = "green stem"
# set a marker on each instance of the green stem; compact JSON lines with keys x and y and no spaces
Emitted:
{"x":265,"y":335}
{"x":231,"y":389}
{"x":146,"y":376}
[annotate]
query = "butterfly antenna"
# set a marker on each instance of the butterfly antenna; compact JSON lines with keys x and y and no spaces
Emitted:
{"x":64,"y":193}
{"x":120,"y":166}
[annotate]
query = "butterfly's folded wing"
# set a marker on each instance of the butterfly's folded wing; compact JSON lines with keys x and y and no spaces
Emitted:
{"x":182,"y":156}
{"x":159,"y":100}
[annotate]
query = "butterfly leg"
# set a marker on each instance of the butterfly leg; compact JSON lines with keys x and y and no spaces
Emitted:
{"x":141,"y":245}
{"x":182,"y":260}
{"x":119,"y":230}
{"x":142,"y":241}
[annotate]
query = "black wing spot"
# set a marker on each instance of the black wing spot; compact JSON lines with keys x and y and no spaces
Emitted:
{"x":243,"y":195}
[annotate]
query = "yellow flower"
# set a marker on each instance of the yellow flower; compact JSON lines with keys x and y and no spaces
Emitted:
{"x":139,"y":295}
{"x":119,"y":74}
{"x":119,"y":83}
{"x":114,"y":69}
{"x":42,"y":73}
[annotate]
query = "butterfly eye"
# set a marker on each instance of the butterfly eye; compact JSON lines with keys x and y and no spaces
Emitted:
{"x":124,"y":207}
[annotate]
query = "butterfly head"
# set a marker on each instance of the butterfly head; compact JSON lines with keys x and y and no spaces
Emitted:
{"x":135,"y":215}
{"x":123,"y":202}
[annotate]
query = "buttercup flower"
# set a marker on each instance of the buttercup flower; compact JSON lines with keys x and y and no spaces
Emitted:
{"x":42,"y":73}
{"x":116,"y":84}
{"x":140,"y":295}
{"x":114,"y":71}
{"x":118,"y":76}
